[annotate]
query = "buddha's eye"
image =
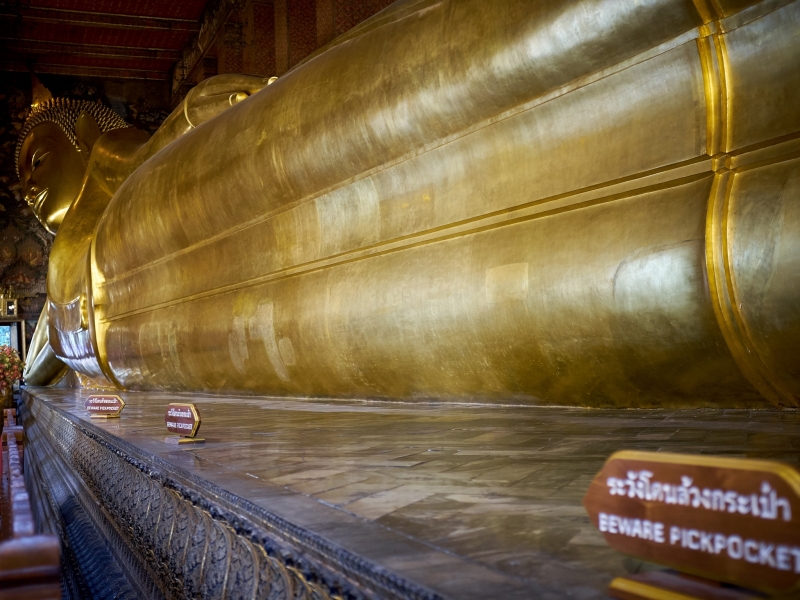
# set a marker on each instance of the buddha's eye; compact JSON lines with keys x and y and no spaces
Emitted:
{"x":37,"y":158}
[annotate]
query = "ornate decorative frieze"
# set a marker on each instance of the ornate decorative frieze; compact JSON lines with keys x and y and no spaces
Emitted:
{"x":175,"y":535}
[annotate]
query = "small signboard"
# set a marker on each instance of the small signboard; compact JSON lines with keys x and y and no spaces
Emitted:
{"x":726,"y":519}
{"x":103,"y":406}
{"x":184,"y":420}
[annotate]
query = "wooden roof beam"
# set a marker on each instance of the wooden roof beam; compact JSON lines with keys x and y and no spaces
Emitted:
{"x":31,"y":46}
{"x":94,"y":19}
{"x":81,"y":71}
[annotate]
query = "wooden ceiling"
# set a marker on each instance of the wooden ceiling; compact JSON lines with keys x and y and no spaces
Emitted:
{"x":140,"y":39}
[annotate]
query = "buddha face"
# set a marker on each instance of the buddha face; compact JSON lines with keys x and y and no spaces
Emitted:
{"x":51,"y":171}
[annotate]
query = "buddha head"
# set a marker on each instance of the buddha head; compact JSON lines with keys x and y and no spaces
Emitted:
{"x":53,"y":151}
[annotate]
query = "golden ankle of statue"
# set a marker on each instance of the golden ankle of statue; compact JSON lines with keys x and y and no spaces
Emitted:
{"x":457,"y":200}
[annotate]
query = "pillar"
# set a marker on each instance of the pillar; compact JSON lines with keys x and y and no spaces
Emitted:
{"x":259,"y":37}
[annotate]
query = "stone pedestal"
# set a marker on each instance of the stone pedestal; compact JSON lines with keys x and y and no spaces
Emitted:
{"x":348,"y":499}
{"x":134,"y":522}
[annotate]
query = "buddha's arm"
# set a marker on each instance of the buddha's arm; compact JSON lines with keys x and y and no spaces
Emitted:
{"x":203,"y":102}
{"x":42,"y":366}
{"x":114,"y":156}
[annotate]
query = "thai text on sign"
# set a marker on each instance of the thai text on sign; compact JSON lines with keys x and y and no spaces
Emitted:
{"x":727,"y":519}
{"x":183,"y":419}
{"x":104,"y":406}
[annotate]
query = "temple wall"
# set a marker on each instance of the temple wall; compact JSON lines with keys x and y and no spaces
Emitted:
{"x":266,"y":37}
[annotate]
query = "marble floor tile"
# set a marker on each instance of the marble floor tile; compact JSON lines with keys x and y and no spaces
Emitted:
{"x":351,"y":492}
{"x":383,"y":503}
{"x":317,"y":486}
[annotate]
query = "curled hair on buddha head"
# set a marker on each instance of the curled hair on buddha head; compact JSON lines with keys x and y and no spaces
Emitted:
{"x":64,"y":112}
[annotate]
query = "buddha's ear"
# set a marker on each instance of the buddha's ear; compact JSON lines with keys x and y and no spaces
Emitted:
{"x":87,"y":131}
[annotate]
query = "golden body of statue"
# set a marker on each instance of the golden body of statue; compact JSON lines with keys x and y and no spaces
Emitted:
{"x":554,"y":202}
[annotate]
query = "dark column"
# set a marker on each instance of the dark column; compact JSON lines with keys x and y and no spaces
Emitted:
{"x":207,"y":67}
{"x":281,"y":37}
{"x":302,"y":27}
{"x":349,"y":13}
{"x":230,"y":54}
{"x":326,"y":22}
{"x":259,"y":35}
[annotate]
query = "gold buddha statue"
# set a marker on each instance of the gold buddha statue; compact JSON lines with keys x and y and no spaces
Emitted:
{"x":71,"y":157}
{"x":458,"y":200}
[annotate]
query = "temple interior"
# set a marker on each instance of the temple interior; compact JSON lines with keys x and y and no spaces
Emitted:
{"x":343,"y":299}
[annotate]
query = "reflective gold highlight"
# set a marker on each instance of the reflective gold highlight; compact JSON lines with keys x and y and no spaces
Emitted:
{"x":460,"y":201}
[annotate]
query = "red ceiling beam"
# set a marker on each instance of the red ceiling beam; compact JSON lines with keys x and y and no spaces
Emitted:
{"x":95,"y":19}
{"x":31,"y":46}
{"x":82,"y":71}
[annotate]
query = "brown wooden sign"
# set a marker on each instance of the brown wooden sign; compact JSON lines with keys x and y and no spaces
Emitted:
{"x":728,"y":519}
{"x":103,"y":406}
{"x":182,"y":419}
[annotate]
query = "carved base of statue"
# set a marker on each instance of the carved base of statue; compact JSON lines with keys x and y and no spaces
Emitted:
{"x":306,"y":499}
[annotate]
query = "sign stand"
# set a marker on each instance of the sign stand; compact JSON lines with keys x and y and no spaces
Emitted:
{"x":719,"y":522}
{"x":104,"y":406}
{"x":177,"y":440}
{"x":657,"y":585}
{"x":183,"y":419}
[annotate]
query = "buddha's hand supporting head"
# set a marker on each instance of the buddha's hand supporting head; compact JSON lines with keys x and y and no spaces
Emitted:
{"x":53,"y":151}
{"x":216,"y":94}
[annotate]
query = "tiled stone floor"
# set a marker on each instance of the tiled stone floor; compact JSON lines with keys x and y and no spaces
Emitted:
{"x":494,"y":491}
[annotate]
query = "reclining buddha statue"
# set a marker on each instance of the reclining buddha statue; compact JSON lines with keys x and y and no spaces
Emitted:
{"x":560,"y":202}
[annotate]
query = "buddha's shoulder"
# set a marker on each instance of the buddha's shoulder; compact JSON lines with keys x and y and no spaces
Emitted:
{"x":116,"y":155}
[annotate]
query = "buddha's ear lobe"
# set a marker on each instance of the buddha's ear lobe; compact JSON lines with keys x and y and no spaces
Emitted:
{"x":87,"y":131}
